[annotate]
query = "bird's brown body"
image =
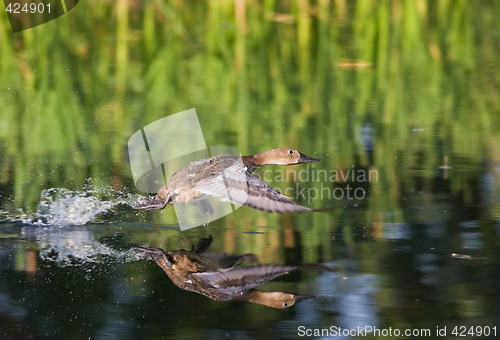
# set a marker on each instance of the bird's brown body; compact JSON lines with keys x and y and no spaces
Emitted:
{"x":229,"y":178}
{"x":216,"y":276}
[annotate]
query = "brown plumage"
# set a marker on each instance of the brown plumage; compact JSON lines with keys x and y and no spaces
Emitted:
{"x":217,"y":276}
{"x":229,"y":178}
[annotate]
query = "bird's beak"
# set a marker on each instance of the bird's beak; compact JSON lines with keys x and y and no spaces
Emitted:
{"x":306,"y":159}
{"x":299,"y":298}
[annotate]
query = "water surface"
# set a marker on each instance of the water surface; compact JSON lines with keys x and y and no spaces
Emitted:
{"x":404,"y":90}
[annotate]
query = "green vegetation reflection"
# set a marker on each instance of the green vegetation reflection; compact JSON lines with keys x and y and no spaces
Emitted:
{"x":416,"y":80}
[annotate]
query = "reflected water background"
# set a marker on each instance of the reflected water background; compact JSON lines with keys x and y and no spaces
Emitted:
{"x":404,"y":88}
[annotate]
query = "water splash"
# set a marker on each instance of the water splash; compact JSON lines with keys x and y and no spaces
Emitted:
{"x":59,"y":227}
{"x":74,"y":246}
{"x":63,"y":207}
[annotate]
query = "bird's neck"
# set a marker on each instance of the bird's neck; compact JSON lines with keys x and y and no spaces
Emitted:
{"x":269,"y":299}
{"x":252,"y":162}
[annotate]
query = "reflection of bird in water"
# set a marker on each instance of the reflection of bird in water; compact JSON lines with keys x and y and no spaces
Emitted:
{"x":228,"y":177}
{"x":217,"y":276}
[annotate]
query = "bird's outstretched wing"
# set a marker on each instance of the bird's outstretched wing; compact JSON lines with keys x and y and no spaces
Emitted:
{"x":237,"y":186}
{"x":234,"y":281}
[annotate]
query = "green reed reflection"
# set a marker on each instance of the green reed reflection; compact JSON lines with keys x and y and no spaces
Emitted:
{"x":391,"y":86}
{"x":420,"y":75}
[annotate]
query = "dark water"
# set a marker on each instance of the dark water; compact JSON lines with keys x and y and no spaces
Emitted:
{"x":438,"y":267}
{"x":399,"y":99}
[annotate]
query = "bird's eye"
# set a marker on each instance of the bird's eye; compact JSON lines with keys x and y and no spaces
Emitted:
{"x":290,"y":152}
{"x":285,"y":304}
